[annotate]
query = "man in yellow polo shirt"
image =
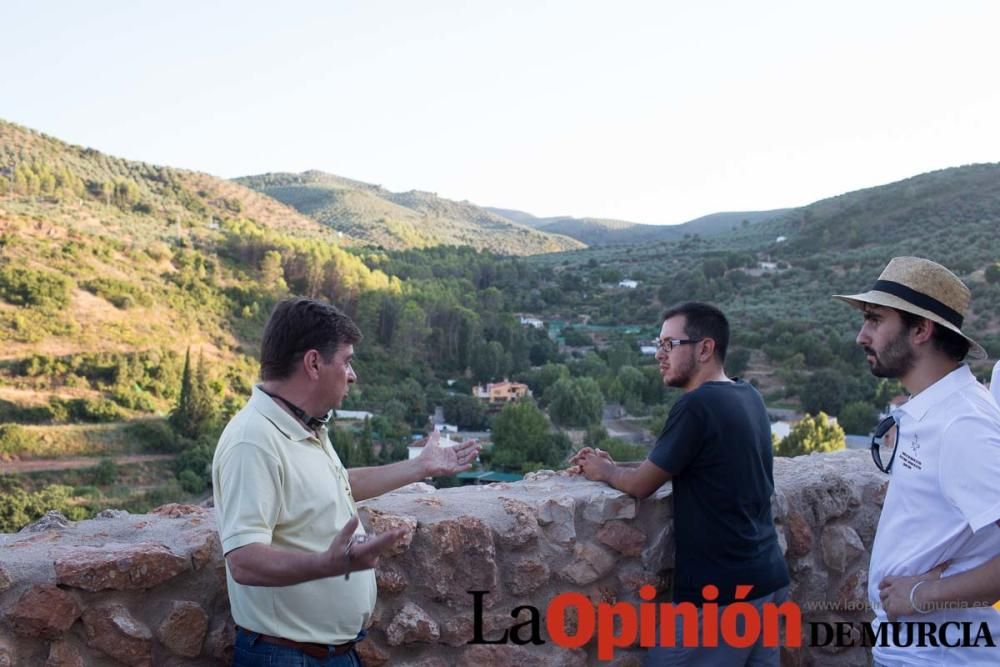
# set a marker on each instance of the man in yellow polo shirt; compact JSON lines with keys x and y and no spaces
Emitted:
{"x":285,"y":503}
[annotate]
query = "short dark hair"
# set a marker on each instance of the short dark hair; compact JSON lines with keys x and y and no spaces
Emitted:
{"x":953,"y":345}
{"x":703,"y":320}
{"x":298,"y":325}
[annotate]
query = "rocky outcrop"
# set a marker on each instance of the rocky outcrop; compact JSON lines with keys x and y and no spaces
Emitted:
{"x":150,"y":589}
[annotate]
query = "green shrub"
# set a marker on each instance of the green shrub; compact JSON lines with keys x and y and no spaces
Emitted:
{"x":93,"y":410}
{"x":121,"y":294}
{"x":34,"y":414}
{"x":133,"y":399}
{"x":105,"y":473}
{"x":15,"y":439}
{"x":810,"y":435}
{"x":191,"y":481}
{"x":24,"y":287}
{"x":154,"y":435}
{"x":19,"y":508}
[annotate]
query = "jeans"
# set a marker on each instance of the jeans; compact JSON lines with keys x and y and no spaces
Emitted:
{"x":250,"y":652}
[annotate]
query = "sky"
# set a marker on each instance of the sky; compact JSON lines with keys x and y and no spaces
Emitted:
{"x":655,"y":112}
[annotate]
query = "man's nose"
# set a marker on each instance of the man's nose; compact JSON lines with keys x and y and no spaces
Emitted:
{"x":863,"y":338}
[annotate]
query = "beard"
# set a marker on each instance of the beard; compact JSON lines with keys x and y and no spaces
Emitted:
{"x":895,"y":360}
{"x":683,"y":371}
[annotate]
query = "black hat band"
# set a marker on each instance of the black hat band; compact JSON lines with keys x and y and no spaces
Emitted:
{"x":920,"y":300}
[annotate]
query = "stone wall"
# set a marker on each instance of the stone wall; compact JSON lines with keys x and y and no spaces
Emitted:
{"x":150,"y":589}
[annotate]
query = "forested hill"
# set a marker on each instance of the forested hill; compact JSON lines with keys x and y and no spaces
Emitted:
{"x":112,"y":271}
{"x":775,"y":278}
{"x":600,"y":231}
{"x":100,"y":253}
{"x":399,"y":220}
{"x":955,"y":210}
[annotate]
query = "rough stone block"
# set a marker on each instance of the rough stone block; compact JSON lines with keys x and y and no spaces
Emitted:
{"x":558,"y":517}
{"x":457,"y":630}
{"x":524,"y":529}
{"x":799,"y":535}
{"x":590,"y":563}
{"x":51,"y":520}
{"x":609,"y":504}
{"x":841,"y":545}
{"x":852,"y":593}
{"x":119,"y":567}
{"x":390,"y":580}
{"x":453,"y":556}
{"x":184,"y":628}
{"x":410,"y":625}
{"x":830,"y":497}
{"x":64,"y":654}
{"x":371,"y":654}
{"x":177,"y":510}
{"x":528,"y":574}
{"x":622,"y":538}
{"x":114,"y":631}
{"x":377,"y":521}
{"x":44,"y":611}
{"x":220,"y":639}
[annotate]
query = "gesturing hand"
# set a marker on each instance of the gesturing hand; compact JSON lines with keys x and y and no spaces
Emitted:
{"x":363,"y":553}
{"x":439,"y":461}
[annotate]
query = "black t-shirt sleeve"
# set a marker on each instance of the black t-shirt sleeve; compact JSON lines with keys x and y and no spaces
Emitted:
{"x":682,"y":437}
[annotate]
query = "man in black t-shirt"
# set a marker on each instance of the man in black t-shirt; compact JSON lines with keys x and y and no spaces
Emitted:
{"x":716,"y":447}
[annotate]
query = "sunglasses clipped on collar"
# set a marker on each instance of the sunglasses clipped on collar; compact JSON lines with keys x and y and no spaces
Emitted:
{"x":880,"y":431}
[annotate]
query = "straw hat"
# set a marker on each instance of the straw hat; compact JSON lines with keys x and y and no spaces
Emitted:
{"x":924,"y":288}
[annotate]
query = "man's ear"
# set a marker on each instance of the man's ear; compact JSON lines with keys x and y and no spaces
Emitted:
{"x":707,"y":350}
{"x":922,"y":332}
{"x":310,"y":364}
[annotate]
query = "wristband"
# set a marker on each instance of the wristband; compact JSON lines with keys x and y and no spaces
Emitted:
{"x":347,"y":552}
{"x":913,"y":601}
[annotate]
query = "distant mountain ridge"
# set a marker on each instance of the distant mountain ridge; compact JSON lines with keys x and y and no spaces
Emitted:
{"x":397,"y":220}
{"x":602,"y":231}
{"x":921,"y":209}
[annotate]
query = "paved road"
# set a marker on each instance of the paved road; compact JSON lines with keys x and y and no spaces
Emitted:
{"x":39,"y":465}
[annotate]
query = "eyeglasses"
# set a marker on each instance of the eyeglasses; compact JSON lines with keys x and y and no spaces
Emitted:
{"x":667,"y":344}
{"x":880,"y":431}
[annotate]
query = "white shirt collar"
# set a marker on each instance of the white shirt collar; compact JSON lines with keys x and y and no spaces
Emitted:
{"x":919,"y":405}
{"x":291,"y":427}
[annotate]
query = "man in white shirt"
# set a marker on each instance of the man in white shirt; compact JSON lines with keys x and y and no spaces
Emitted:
{"x":936,"y":555}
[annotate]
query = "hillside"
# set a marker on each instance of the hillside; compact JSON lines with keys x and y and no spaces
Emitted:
{"x":929,"y":210}
{"x":399,"y":220}
{"x":110,"y":271}
{"x":601,"y":232}
{"x":775,"y":278}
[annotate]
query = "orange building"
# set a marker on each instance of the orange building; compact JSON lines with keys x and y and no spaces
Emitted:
{"x":501,"y":392}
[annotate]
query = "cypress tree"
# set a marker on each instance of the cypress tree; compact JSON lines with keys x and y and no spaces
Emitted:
{"x":195,"y":409}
